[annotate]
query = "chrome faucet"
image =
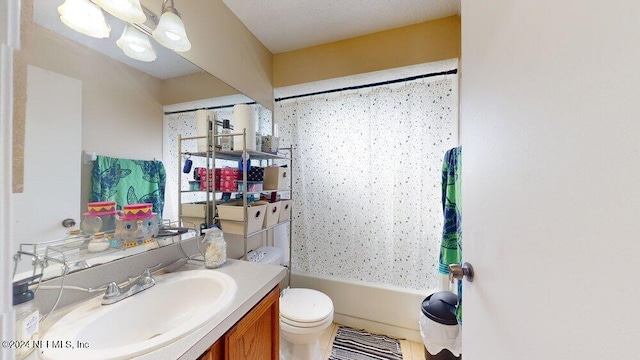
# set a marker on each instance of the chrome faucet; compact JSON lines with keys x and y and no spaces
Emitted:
{"x":113,"y":293}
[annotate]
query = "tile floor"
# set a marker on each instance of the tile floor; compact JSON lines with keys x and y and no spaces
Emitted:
{"x":410,"y":350}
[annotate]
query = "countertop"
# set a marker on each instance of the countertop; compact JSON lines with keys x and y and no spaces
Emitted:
{"x":254,"y":281}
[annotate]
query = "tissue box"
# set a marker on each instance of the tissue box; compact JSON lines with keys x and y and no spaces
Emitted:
{"x":229,"y":173}
{"x":228,"y":185}
{"x":229,"y":179}
{"x":210,"y":182}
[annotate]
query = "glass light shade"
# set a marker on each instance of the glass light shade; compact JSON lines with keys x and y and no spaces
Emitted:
{"x":85,"y":17}
{"x":170,"y":33}
{"x":136,"y":45}
{"x":127,"y":10}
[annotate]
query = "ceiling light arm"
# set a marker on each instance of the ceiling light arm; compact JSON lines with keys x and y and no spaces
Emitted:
{"x":167,"y":5}
{"x":148,"y":26}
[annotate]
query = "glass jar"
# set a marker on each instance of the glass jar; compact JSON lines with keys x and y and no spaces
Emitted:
{"x":98,"y":242}
{"x":74,"y":239}
{"x":215,"y":248}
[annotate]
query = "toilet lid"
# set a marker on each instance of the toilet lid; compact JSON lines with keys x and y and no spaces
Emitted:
{"x":305,"y":306}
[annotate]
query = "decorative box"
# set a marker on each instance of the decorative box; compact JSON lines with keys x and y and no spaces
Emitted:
{"x":255,"y":174}
{"x":207,"y":181}
{"x":270,"y":144}
{"x":227,"y":185}
{"x":229,"y":173}
{"x":252,"y":186}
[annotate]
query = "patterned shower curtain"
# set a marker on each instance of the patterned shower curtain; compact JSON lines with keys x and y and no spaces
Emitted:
{"x":367,"y":172}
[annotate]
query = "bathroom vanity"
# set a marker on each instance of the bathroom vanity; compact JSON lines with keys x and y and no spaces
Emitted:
{"x":249,"y":325}
{"x":256,"y":336}
{"x":245,"y":328}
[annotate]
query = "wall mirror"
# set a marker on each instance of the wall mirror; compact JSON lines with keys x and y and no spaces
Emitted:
{"x":85,"y":96}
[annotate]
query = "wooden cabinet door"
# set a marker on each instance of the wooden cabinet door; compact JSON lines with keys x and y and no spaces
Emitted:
{"x":257,"y":335}
{"x":215,"y":352}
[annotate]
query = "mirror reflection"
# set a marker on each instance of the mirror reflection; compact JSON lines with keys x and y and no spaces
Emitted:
{"x":87,"y":100}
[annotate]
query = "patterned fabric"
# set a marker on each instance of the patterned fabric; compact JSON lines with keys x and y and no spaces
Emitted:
{"x":352,"y":344}
{"x":451,"y":248}
{"x":128,"y":182}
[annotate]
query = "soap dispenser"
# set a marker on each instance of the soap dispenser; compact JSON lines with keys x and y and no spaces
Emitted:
{"x":27,"y":316}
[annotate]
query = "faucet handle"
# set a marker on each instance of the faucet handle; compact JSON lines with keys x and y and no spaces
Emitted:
{"x":112,"y":289}
{"x":148,"y":271}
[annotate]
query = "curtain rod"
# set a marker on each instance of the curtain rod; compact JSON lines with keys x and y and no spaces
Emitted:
{"x":410,"y":78}
{"x":205,"y":108}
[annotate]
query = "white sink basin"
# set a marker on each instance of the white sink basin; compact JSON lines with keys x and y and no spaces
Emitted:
{"x":178,"y":304}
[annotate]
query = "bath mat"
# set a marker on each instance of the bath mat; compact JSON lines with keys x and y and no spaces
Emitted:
{"x":353,"y":344}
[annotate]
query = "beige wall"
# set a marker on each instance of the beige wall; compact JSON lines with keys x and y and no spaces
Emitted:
{"x":121,"y":109}
{"x":193,"y":87}
{"x":425,"y":42}
{"x":225,"y":48}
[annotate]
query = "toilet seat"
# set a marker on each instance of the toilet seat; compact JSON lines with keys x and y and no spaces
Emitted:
{"x":305,"y":308}
{"x":315,"y":324}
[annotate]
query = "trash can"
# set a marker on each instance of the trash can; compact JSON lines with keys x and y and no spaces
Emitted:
{"x":439,"y":327}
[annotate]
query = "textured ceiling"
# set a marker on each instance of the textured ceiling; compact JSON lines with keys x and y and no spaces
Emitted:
{"x":285,"y":25}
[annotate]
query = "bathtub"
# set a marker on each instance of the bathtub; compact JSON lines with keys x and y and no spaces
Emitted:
{"x":386,"y":309}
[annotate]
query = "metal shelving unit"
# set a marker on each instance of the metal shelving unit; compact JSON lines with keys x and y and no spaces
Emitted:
{"x":210,"y":202}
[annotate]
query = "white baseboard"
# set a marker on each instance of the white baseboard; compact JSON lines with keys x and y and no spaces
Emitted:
{"x":388,"y":310}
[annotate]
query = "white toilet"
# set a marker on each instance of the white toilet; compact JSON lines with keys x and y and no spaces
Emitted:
{"x":304,"y":316}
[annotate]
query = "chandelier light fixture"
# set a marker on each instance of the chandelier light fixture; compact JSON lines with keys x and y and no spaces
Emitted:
{"x":87,"y":18}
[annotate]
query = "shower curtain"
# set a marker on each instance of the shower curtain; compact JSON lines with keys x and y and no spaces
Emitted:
{"x":367,"y":172}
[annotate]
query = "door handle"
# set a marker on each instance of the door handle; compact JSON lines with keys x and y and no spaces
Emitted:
{"x":458,"y":272}
{"x":68,"y":223}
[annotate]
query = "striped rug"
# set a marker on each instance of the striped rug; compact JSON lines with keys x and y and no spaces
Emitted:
{"x":353,"y":344}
